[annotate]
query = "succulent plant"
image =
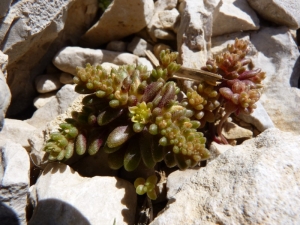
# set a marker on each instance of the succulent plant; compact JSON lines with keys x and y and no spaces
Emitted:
{"x":241,"y":87}
{"x":143,"y":186}
{"x":135,"y":116}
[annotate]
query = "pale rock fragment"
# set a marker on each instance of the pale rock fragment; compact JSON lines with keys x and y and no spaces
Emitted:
{"x":97,"y":200}
{"x":70,"y":57}
{"x":120,"y":19}
{"x":233,"y":16}
{"x":16,"y":131}
{"x":285,"y":12}
{"x":66,"y":78}
{"x":14,"y":182}
{"x":47,"y":83}
{"x":138,"y":46}
{"x":254,"y":183}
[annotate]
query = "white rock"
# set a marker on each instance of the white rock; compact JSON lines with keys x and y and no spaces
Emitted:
{"x":216,"y":149}
{"x":259,"y":118}
{"x":277,"y":56}
{"x":43,"y":99}
{"x":231,"y":130}
{"x":5,"y":98}
{"x":31,"y":33}
{"x":66,"y":78}
{"x":70,"y":57}
{"x":64,"y":97}
{"x":195,"y":30}
{"x":97,"y":200}
{"x":138,"y":46}
{"x":254,"y":183}
{"x":285,"y":12}
{"x":145,"y":62}
{"x":109,"y":66}
{"x":14,"y":178}
{"x":169,"y":19}
{"x":234,"y":16}
{"x":47,"y":83}
{"x":155,"y":27}
{"x":164,"y":34}
{"x":119,"y":20}
{"x":3,"y":63}
{"x":118,"y":46}
{"x":16,"y":131}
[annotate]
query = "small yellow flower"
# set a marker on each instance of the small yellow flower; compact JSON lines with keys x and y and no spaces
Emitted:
{"x":140,"y":113}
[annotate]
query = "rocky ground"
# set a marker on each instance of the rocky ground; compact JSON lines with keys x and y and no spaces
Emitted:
{"x":254,"y":181}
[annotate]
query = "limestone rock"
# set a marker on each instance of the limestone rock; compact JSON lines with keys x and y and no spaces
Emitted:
{"x":145,"y":62}
{"x":14,"y":178}
{"x":216,"y":149}
{"x":64,"y":97}
{"x":16,"y":131}
{"x":233,"y":16}
{"x":155,"y":27}
{"x":3,"y":63}
{"x":47,"y":83}
{"x":259,"y":118}
{"x":70,"y":57}
{"x":118,"y":46}
{"x":233,"y":131}
{"x":169,"y":19}
{"x":281,"y":12}
{"x":119,"y":20}
{"x":66,"y":78}
{"x":138,"y":46}
{"x":43,"y":99}
{"x":31,"y":34}
{"x":5,"y":98}
{"x":97,"y":200}
{"x":195,"y":31}
{"x":278,"y":56}
{"x":254,"y":183}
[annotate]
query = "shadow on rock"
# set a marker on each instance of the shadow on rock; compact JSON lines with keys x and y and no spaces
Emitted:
{"x":8,"y":216}
{"x":54,"y":212}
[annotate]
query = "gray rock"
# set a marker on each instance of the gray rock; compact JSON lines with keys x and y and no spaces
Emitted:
{"x":259,"y":118}
{"x":195,"y":31}
{"x":43,"y":99}
{"x":155,"y":27}
{"x":14,"y":178}
{"x":138,"y":46}
{"x":66,"y":78}
{"x":47,"y":83}
{"x":254,"y":183}
{"x":5,"y":98}
{"x":118,"y":46}
{"x":97,"y":200}
{"x":119,"y":20}
{"x":70,"y":57}
{"x":285,"y":12}
{"x":169,"y":19}
{"x":64,"y":97}
{"x":278,"y":56}
{"x":32,"y":33}
{"x":16,"y":131}
{"x":233,"y":16}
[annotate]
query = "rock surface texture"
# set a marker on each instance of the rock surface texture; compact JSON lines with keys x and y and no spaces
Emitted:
{"x":119,"y":20}
{"x":285,"y":12}
{"x":14,"y":178}
{"x":63,"y":197}
{"x":248,"y":184}
{"x":31,"y":34}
